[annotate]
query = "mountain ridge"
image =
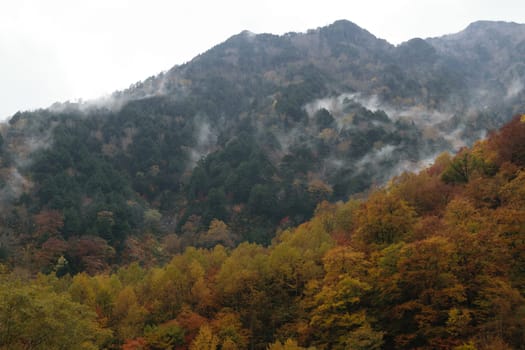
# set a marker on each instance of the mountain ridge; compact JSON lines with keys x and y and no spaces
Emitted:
{"x":314,"y":41}
{"x":253,"y":132}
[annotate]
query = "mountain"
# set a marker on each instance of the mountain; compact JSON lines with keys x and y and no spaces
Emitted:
{"x":247,"y":138}
{"x":433,"y":260}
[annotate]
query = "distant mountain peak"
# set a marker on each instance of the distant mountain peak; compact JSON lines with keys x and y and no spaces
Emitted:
{"x":347,"y":30}
{"x":484,"y":24}
{"x":246,"y":34}
{"x":480,"y":29}
{"x":344,"y":23}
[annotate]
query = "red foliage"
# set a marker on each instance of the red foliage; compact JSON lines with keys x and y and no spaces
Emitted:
{"x":48,"y":222}
{"x":191,"y":322}
{"x":92,"y":253}
{"x":134,"y":344}
{"x":509,"y":141}
{"x":50,"y":251}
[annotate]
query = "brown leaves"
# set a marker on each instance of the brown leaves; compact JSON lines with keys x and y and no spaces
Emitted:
{"x":509,"y":142}
{"x":48,"y":222}
{"x":91,"y":253}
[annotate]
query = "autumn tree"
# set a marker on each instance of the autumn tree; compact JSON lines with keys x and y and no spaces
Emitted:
{"x":425,"y":192}
{"x":89,"y":253}
{"x":128,"y":316}
{"x":384,"y":219}
{"x":229,"y":329}
{"x":218,"y":233}
{"x":205,"y":340}
{"x":289,"y":344}
{"x":337,"y":316}
{"x":35,"y":317}
{"x":48,"y":223}
{"x":165,"y":336}
{"x":508,"y":141}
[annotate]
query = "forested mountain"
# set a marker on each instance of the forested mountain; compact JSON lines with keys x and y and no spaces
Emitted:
{"x":246,"y":138}
{"x":433,"y":260}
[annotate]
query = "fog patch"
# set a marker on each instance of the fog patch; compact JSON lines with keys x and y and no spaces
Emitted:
{"x":205,"y":141}
{"x":437,"y":127}
{"x":335,"y":163}
{"x":164,"y":83}
{"x":15,"y":184}
{"x":514,"y":89}
{"x":290,"y":138}
{"x":413,"y":166}
{"x":455,"y":138}
{"x":337,"y":105}
{"x":170,"y":83}
{"x":377,"y":156}
{"x":334,"y":105}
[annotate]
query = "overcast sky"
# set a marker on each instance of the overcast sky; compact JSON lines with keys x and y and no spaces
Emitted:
{"x":58,"y":50}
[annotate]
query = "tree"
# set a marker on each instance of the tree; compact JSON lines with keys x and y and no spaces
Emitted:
{"x":425,"y":192}
{"x":240,"y":286}
{"x":166,"y":336}
{"x":152,"y":219}
{"x":89,"y":253}
{"x":128,"y":315}
{"x":460,"y":168}
{"x":205,"y":340}
{"x":35,"y":317}
{"x":289,"y":344}
{"x":228,"y":327}
{"x":48,"y":222}
{"x":418,"y":288}
{"x":51,"y":251}
{"x":384,"y":219}
{"x":218,"y":233}
{"x":508,"y":142}
{"x":337,"y":316}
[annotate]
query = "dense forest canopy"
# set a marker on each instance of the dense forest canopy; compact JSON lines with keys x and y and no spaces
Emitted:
{"x":433,"y":260}
{"x":253,"y":133}
{"x":261,"y":196}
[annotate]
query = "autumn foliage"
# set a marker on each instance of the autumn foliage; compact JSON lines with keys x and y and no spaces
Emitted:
{"x":435,"y":260}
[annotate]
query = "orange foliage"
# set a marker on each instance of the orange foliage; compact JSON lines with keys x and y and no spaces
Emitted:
{"x":424,"y":191}
{"x":421,"y":264}
{"x":191,"y":322}
{"x":134,"y":344}
{"x":508,"y":142}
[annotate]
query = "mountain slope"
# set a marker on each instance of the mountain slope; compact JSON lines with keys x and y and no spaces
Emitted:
{"x":254,"y":133}
{"x":433,"y":260}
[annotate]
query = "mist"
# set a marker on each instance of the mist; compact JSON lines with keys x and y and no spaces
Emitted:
{"x":514,"y":89}
{"x":15,"y":185}
{"x":439,"y":127}
{"x":205,"y":138}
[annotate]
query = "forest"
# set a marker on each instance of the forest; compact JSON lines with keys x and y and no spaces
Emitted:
{"x":432,"y":260}
{"x":243,"y":141}
{"x":260,"y":196}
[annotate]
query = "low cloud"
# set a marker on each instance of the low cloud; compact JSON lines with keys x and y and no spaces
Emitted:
{"x":376,"y":156}
{"x":514,"y":89}
{"x":206,"y":140}
{"x":15,"y":184}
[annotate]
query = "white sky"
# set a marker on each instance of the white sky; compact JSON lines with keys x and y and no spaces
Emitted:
{"x":58,"y":50}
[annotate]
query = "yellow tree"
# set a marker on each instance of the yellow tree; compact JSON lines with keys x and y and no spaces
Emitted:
{"x":384,"y":219}
{"x":35,"y":317}
{"x":205,"y":340}
{"x":337,"y":316}
{"x":128,"y":316}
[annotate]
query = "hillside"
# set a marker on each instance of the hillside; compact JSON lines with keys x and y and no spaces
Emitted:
{"x":433,"y":260}
{"x":245,"y":139}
